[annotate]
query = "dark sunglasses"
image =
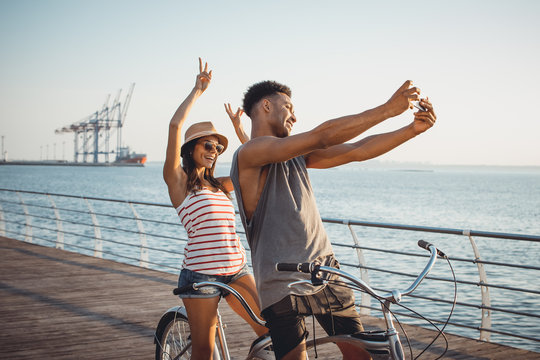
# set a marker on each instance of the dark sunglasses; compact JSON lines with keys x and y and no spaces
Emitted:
{"x":210,"y":145}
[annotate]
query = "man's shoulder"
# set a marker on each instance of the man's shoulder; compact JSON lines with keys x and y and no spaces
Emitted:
{"x":260,"y":141}
{"x":253,"y":147}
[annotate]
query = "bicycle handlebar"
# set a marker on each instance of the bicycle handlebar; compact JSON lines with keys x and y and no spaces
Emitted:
{"x":236,"y":294}
{"x":425,"y":245}
{"x":301,"y":267}
{"x":395,"y":295}
{"x":182,"y":289}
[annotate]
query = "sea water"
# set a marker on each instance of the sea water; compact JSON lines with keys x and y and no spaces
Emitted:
{"x":495,"y":199}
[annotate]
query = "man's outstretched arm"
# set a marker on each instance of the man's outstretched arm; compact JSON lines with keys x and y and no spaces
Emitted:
{"x":269,"y":149}
{"x":372,"y":146}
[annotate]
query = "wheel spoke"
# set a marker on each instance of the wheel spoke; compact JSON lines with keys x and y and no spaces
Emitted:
{"x":175,"y":342}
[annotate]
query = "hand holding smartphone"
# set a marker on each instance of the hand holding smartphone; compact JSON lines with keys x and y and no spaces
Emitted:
{"x":417,"y":105}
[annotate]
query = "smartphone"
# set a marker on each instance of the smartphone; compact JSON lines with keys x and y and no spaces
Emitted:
{"x":417,"y":105}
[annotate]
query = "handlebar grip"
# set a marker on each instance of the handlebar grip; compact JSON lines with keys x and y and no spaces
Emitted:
{"x":425,"y":245}
{"x":300,"y":267}
{"x":182,"y":289}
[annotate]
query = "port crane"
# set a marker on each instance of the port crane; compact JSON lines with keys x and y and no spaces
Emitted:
{"x":93,"y":133}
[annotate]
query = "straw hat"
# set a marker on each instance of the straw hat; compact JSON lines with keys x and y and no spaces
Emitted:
{"x":202,"y":129}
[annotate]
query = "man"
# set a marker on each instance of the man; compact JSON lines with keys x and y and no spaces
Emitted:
{"x":278,"y":208}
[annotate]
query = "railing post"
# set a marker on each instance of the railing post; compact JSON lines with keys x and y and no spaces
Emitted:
{"x":28,"y":236}
{"x":143,"y":260}
{"x":98,"y":246}
{"x":365,"y":299}
{"x":2,"y":222}
{"x":486,"y":301}
{"x":60,"y":229}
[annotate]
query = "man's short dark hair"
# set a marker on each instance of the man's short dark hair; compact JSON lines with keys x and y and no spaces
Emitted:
{"x":260,"y":90}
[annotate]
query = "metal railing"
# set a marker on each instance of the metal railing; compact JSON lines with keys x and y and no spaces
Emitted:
{"x":150,"y":235}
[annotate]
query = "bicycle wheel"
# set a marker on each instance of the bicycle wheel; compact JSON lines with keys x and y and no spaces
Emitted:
{"x":175,"y":339}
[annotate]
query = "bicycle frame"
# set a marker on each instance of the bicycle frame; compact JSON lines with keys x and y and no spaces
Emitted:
{"x":378,"y":342}
{"x":385,"y":341}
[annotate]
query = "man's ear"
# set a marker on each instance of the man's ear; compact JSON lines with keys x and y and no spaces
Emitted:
{"x":266,"y":105}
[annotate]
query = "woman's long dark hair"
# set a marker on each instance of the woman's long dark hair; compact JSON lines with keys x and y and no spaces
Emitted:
{"x":188,"y":164}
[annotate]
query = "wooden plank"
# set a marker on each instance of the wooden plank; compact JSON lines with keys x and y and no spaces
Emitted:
{"x":62,"y":305}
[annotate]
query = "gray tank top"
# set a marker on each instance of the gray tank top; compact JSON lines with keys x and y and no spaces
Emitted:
{"x":285,"y":227}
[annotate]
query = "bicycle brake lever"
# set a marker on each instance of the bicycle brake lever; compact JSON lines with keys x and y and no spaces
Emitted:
{"x":323,"y":282}
{"x":299,"y":282}
{"x":316,"y":280}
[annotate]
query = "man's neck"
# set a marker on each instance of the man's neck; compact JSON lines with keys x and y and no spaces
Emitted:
{"x":261,"y":128}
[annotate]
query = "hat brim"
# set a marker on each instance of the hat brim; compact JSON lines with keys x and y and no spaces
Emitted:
{"x":221,"y":139}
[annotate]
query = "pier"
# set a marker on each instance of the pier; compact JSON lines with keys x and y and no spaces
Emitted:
{"x":58,"y":304}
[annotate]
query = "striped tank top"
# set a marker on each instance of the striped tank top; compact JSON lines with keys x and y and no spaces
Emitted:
{"x":213,"y":246}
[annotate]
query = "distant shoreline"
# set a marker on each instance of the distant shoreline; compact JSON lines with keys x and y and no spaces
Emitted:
{"x":65,"y":163}
{"x":367,"y":165}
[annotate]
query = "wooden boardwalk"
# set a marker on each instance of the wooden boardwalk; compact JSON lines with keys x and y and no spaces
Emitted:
{"x":56,"y":304}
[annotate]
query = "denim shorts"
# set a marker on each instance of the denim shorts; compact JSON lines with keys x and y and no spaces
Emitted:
{"x":189,"y":277}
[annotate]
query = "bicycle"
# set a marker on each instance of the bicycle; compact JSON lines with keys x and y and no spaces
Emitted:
{"x":172,"y":336}
{"x":172,"y":332}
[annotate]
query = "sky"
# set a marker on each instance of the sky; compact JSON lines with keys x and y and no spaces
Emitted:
{"x":477,"y":61}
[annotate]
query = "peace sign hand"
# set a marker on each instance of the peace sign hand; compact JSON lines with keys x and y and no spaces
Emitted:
{"x":235,"y":117}
{"x":203,"y":78}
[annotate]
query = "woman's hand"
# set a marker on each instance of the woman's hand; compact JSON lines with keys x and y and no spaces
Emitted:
{"x":235,"y":119}
{"x":204,"y":77}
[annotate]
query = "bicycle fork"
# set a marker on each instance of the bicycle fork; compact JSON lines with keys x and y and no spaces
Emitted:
{"x":396,"y":349}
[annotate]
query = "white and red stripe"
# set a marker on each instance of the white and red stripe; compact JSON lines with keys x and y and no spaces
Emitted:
{"x":213,"y":246}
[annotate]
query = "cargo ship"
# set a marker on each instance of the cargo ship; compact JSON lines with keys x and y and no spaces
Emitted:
{"x":125,"y":157}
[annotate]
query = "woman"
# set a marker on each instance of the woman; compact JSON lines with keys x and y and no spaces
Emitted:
{"x":213,"y":251}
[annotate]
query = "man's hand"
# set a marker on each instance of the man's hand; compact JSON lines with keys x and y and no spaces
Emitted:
{"x":423,"y":120}
{"x":204,"y":77}
{"x":401,"y":100}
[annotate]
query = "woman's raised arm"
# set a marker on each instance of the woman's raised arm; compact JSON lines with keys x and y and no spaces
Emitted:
{"x":173,"y":174}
